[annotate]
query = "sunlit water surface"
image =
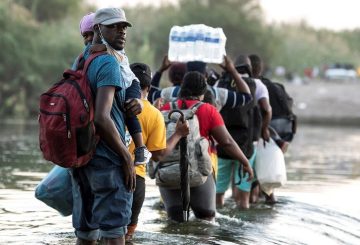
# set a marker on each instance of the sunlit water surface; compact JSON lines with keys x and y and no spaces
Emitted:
{"x":318,"y":205}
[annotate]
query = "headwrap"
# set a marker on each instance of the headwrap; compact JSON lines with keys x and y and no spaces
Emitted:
{"x":198,"y":66}
{"x":86,"y":23}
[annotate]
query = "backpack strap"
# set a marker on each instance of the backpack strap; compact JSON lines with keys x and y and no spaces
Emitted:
{"x":82,"y":65}
{"x":173,"y":105}
{"x":196,"y":106}
{"x":90,"y":59}
{"x":193,"y":108}
{"x":183,"y":104}
{"x":80,"y":62}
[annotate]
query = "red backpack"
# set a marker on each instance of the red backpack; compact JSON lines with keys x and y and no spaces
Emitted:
{"x":66,"y":119}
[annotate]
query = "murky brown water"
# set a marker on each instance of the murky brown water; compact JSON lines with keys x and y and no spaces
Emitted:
{"x":319,"y":204}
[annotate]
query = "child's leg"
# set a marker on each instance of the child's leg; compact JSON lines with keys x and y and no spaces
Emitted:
{"x":134,"y":128}
{"x":132,"y":123}
{"x":142,"y":155}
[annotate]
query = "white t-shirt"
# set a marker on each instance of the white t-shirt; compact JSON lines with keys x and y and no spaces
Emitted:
{"x":261,"y":90}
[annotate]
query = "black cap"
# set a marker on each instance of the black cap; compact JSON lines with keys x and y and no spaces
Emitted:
{"x":198,"y":66}
{"x":177,"y":71}
{"x":143,"y":73}
{"x":243,"y":65}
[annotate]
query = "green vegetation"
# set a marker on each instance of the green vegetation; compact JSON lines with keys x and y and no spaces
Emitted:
{"x":40,"y":39}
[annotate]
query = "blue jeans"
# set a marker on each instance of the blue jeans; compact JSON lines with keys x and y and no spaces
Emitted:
{"x":102,"y":204}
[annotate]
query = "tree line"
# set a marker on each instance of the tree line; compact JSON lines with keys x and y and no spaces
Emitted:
{"x":41,"y":38}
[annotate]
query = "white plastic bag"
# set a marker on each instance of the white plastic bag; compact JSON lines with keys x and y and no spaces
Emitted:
{"x":270,"y":166}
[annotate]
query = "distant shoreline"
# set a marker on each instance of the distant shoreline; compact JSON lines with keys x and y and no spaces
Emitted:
{"x":326,"y":102}
{"x":325,"y":121}
{"x":316,"y":103}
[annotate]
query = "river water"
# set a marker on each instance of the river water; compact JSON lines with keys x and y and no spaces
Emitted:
{"x":320,"y":203}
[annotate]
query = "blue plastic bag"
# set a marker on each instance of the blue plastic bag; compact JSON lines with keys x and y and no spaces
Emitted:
{"x":55,"y":190}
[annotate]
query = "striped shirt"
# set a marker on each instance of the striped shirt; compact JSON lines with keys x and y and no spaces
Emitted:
{"x":224,"y":98}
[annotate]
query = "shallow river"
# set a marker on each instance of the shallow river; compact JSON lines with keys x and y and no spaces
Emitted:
{"x":320,"y":203}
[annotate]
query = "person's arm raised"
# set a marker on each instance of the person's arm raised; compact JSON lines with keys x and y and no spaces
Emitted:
{"x":165,"y":64}
{"x":155,"y":90}
{"x":228,"y":66}
{"x":155,"y":81}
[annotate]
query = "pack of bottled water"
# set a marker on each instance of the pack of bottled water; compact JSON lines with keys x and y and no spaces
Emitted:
{"x":197,"y":43}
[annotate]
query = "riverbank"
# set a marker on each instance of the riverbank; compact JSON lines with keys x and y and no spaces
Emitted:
{"x":315,"y":102}
{"x":326,"y":103}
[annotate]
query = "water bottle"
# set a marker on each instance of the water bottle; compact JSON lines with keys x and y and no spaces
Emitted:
{"x":196,"y":42}
{"x":218,"y":44}
{"x":174,"y":39}
{"x":214,"y":44}
{"x":199,"y":42}
{"x":190,"y":43}
{"x":207,"y":54}
{"x":222,"y":44}
{"x":182,"y":52}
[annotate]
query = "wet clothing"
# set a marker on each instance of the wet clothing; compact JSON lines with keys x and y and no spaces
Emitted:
{"x":202,"y":201}
{"x":202,"y":198}
{"x":227,"y":167}
{"x":102,"y":204}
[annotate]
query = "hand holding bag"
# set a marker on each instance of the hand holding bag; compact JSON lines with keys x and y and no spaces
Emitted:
{"x":270,"y":166}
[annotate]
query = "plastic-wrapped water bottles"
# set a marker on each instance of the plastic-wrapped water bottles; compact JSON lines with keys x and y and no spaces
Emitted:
{"x":218,"y":45}
{"x":182,"y":48}
{"x":196,"y":43}
{"x":190,"y":42}
{"x":207,"y":52}
{"x":174,"y":39}
{"x":199,"y":42}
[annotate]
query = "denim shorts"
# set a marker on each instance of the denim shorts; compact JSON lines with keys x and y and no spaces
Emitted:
{"x":102,"y":204}
{"x":228,"y":168}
